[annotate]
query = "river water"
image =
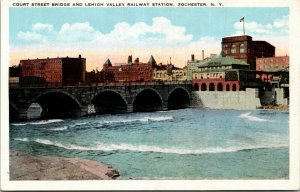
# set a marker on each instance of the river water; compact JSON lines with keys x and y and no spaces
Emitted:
{"x":179,"y":144}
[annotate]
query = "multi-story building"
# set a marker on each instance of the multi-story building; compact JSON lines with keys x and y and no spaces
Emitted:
{"x":130,"y":71}
{"x":276,"y":69}
{"x":193,"y":64}
{"x":55,"y":70}
{"x":245,"y":49}
{"x":223,"y":74}
{"x":169,"y":72}
{"x":272,"y":63}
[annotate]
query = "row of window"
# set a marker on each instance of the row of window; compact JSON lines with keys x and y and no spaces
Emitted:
{"x":164,"y":74}
{"x":215,"y":75}
{"x":213,"y":68}
{"x":212,"y":87}
{"x":234,"y":48}
{"x":276,"y":60}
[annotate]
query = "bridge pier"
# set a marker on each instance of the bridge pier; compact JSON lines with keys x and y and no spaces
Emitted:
{"x":84,"y":111}
{"x":129,"y":108}
{"x":165,"y":106}
{"x":22,"y":115}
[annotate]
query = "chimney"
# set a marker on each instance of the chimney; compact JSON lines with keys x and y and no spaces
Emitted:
{"x":193,"y":57}
{"x":79,"y":56}
{"x":202,"y":54}
{"x":130,"y":59}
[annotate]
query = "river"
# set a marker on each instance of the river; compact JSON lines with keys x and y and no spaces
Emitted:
{"x":180,"y":144}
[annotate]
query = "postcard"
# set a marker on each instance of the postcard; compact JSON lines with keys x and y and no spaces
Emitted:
{"x":149,"y":95}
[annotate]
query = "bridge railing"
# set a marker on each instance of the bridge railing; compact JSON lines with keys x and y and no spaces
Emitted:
{"x":90,"y":84}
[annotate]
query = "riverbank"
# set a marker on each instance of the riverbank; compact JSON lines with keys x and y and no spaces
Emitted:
{"x":276,"y":107}
{"x":24,"y":166}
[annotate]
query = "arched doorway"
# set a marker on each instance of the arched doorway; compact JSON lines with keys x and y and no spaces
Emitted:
{"x":211,"y":87}
{"x":203,"y":87}
{"x":220,"y":87}
{"x":234,"y":87}
{"x":227,"y":87}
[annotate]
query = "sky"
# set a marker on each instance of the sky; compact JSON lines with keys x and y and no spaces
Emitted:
{"x":166,"y":32}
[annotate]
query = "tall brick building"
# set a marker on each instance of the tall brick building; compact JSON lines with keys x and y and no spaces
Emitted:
{"x":245,"y":49}
{"x":130,"y":71}
{"x":55,"y":70}
{"x":272,"y":63}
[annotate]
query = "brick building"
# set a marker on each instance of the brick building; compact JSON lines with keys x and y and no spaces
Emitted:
{"x":55,"y":70}
{"x":245,"y":49}
{"x":272,"y":65}
{"x":223,"y":74}
{"x":130,"y":71}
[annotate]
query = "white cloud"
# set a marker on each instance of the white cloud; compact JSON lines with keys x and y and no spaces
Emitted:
{"x":282,"y":22}
{"x":42,"y":27}
{"x":161,"y":37}
{"x":30,"y":36}
{"x":160,"y":33}
{"x":77,"y":32}
{"x":279,"y":27}
{"x":276,"y":33}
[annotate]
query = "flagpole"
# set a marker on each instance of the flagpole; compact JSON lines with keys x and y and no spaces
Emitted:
{"x":243,"y":19}
{"x":244,"y":26}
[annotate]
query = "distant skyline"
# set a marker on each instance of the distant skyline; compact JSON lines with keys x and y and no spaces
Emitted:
{"x":101,"y":33}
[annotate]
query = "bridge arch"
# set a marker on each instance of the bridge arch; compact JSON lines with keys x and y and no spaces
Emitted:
{"x":57,"y":104}
{"x":147,"y":100}
{"x":109,"y":101}
{"x":178,"y":98}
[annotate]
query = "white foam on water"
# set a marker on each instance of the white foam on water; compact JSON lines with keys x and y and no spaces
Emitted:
{"x":156,"y":149}
{"x":46,"y":121}
{"x":58,"y":144}
{"x":18,"y":124}
{"x":247,"y":116}
{"x":163,"y":118}
{"x":21,"y":139}
{"x":82,"y":123}
{"x":144,"y":119}
{"x":59,"y":128}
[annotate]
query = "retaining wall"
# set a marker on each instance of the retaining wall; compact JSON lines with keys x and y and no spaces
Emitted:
{"x":227,"y":99}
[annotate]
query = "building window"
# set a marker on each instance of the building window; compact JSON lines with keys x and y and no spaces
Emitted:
{"x":242,"y":48}
{"x":233,"y":48}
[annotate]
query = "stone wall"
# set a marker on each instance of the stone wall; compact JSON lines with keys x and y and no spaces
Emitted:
{"x":274,"y":97}
{"x":227,"y":99}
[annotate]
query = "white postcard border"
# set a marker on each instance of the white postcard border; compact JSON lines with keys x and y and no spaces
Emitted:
{"x":290,"y":184}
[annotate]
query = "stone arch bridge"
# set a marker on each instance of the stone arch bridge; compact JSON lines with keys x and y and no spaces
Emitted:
{"x":73,"y":101}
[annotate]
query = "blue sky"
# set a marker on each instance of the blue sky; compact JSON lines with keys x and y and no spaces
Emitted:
{"x":141,"y":27}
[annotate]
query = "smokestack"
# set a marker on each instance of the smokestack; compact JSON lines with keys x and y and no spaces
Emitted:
{"x":193,"y":57}
{"x":137,"y":60}
{"x":202,"y":54}
{"x":130,"y":59}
